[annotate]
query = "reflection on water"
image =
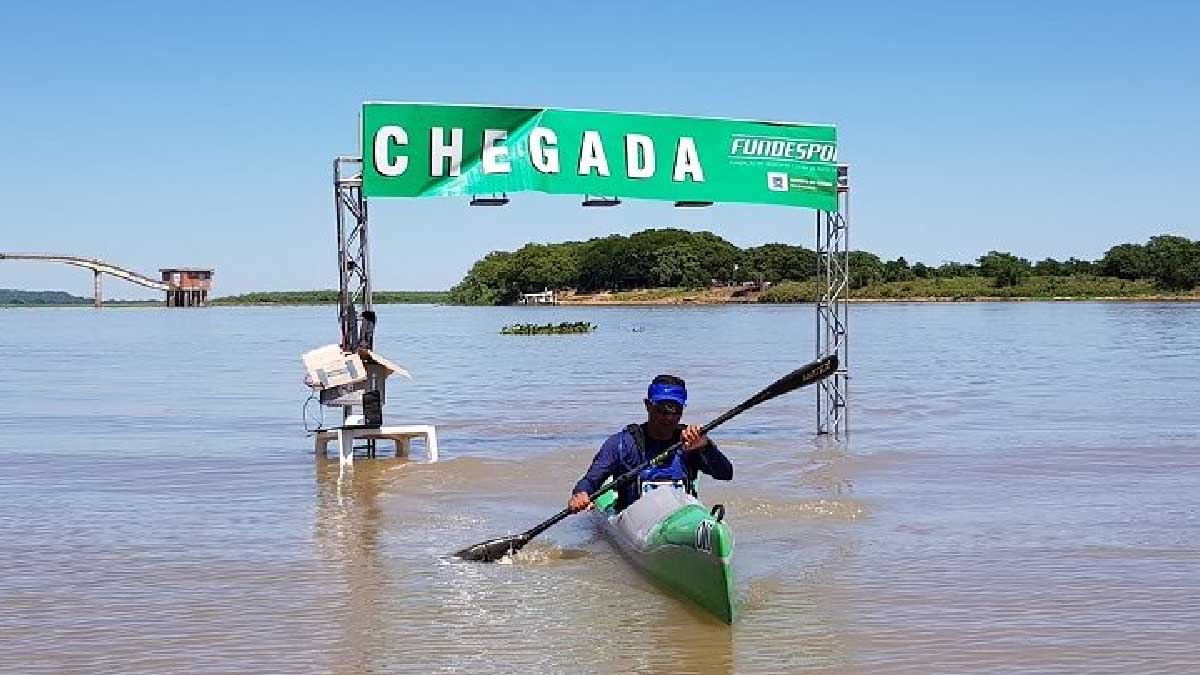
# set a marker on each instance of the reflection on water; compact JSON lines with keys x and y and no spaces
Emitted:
{"x":346,"y":531}
{"x":1019,"y":495}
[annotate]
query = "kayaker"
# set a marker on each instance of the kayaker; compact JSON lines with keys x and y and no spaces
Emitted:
{"x":635,"y":444}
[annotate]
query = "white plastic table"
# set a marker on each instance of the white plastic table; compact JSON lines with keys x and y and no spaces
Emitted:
{"x":400,"y":435}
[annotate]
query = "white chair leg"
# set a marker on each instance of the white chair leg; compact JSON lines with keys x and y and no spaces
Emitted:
{"x":431,"y":448}
{"x":346,"y":446}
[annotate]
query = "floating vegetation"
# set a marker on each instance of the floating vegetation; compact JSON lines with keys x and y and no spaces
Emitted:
{"x":564,"y":328}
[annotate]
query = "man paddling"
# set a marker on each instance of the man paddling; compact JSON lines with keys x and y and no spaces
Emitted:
{"x":637,"y":443}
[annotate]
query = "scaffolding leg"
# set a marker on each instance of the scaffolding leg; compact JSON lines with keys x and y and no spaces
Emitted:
{"x":833,"y":309}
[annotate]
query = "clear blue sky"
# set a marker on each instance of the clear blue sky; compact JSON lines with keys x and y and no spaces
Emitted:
{"x":159,"y":134}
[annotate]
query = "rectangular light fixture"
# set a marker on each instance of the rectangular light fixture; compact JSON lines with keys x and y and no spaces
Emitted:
{"x":494,"y":200}
{"x":589,"y":200}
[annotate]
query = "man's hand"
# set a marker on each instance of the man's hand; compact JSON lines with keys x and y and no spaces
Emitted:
{"x":693,"y":438}
{"x":578,"y":502}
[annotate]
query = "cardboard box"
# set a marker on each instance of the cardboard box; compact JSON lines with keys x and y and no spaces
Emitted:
{"x":343,"y":378}
{"x":329,"y":366}
{"x":369,"y":357}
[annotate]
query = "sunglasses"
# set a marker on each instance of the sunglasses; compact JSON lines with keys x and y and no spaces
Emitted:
{"x":667,"y":408}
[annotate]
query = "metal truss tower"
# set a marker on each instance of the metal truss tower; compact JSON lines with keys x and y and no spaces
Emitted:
{"x":354,"y":261}
{"x":833,"y":288}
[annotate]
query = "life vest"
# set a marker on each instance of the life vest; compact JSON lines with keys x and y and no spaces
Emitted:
{"x":671,"y":473}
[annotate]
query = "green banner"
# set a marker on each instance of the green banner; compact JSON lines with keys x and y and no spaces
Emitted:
{"x":426,"y":150}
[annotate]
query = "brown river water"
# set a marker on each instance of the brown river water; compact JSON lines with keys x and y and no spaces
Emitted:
{"x":1020,"y":493}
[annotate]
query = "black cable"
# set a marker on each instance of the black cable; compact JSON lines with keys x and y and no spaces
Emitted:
{"x":320,"y":419}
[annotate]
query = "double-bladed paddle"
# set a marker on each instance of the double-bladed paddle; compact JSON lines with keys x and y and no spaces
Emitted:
{"x":495,"y":549}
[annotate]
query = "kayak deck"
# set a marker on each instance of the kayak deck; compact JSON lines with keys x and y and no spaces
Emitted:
{"x":675,"y":541}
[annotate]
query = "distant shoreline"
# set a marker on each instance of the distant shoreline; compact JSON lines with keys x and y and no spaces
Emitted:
{"x":889,"y":293}
{"x":869,"y":301}
{"x":946,"y":291}
{"x":665,"y":302}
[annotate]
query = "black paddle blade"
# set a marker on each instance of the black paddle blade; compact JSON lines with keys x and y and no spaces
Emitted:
{"x":805,"y":375}
{"x":800,"y":377}
{"x":491,"y":551}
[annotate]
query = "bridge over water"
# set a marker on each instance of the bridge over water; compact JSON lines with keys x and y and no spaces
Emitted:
{"x":184,"y":286}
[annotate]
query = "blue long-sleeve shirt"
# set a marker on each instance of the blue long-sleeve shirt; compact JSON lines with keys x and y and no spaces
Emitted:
{"x":619,"y":454}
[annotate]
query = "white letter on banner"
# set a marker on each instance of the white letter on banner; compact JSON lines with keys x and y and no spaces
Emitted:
{"x":545,"y":159}
{"x":828,"y":153}
{"x":495,"y":156}
{"x":591,"y":155}
{"x":384,"y":138}
{"x":638,"y":147}
{"x":736,"y":142}
{"x":687,"y":161}
{"x":439,"y":151}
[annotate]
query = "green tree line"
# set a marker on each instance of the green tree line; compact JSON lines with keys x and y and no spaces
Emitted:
{"x":680,"y":258}
{"x":328,"y":297}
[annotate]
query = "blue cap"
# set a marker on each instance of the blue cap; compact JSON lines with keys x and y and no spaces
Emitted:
{"x":659,"y":392}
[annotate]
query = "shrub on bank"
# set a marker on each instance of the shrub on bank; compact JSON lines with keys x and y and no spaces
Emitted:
{"x":965,"y":288}
{"x":651,"y":294}
{"x":790,"y":291}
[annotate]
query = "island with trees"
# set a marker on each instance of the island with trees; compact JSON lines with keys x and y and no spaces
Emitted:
{"x":679,"y":266}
